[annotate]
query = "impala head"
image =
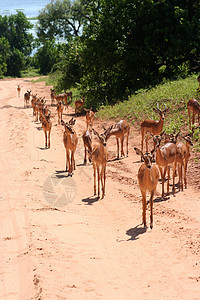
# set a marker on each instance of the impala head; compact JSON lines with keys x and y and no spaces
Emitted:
{"x":68,"y":127}
{"x":157,"y":139}
{"x":101,"y":137}
{"x":146,"y":157}
{"x":161,"y":112}
{"x":107,"y":132}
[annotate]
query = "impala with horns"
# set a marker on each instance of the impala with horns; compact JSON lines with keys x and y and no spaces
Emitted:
{"x":166,"y":156}
{"x":27,"y":98}
{"x":99,"y":157}
{"x":183,"y":155}
{"x":148,"y":176}
{"x":193,"y":108}
{"x":70,"y":141}
{"x":151,"y":126}
{"x":121,"y":131}
{"x":89,"y":117}
{"x":46,"y":126}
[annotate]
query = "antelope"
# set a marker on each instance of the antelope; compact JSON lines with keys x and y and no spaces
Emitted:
{"x":70,"y":141}
{"x":27,"y":98}
{"x":33,"y":103}
{"x":69,"y":95}
{"x":52,"y":96}
{"x":60,"y":108}
{"x":154,"y":127}
{"x":183,"y":154}
{"x":18,"y":90}
{"x":62,"y":97}
{"x":193,"y":107}
{"x":79,"y":105}
{"x":87,"y":142}
{"x":120,"y":131}
{"x":46,"y":126}
{"x":166,"y":155}
{"x":89,"y":117}
{"x":148,"y":176}
{"x":99,"y":157}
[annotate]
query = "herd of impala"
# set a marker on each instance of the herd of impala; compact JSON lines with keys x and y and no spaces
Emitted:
{"x":167,"y":150}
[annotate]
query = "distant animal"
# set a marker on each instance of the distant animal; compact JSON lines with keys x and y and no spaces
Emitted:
{"x":183,"y":155}
{"x":148,"y":176}
{"x":18,"y":90}
{"x":151,"y":126}
{"x":60,"y":108}
{"x":193,"y":107}
{"x":89,"y":117}
{"x":120,"y":131}
{"x":27,"y":98}
{"x":79,"y":105}
{"x":52,"y":94}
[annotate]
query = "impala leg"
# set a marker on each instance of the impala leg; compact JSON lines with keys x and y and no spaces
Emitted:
{"x":117,"y":147}
{"x":85,"y":158}
{"x":174,"y":174}
{"x":122,"y":146}
{"x":144,"y":206}
{"x":151,"y":208}
{"x":103,"y":180}
{"x":127,"y":143}
{"x":49,"y":138}
{"x":94,"y":168}
{"x":45,"y":133}
{"x":98,"y":174}
{"x":67,"y":161}
{"x":185,"y":172}
{"x":168,"y":177}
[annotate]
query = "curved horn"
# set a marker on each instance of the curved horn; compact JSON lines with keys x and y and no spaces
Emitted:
{"x":158,"y":107}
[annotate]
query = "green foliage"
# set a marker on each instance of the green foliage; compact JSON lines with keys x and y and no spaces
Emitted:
{"x":16,"y":43}
{"x":60,"y":18}
{"x":46,"y":57}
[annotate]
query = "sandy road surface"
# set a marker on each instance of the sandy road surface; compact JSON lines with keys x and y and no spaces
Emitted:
{"x":58,"y":242}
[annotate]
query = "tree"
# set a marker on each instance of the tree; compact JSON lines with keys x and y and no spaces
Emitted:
{"x":15,"y":29}
{"x":4,"y":54}
{"x":63,"y":19}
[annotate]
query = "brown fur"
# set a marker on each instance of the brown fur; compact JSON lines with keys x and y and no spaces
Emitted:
{"x":27,"y":98}
{"x":60,"y":108}
{"x":154,"y":127}
{"x":70,"y":141}
{"x":89,"y":117}
{"x":120,"y":131}
{"x":148,"y":176}
{"x":193,"y":108}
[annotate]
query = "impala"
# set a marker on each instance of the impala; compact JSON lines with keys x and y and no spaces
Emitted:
{"x":70,"y":141}
{"x":193,"y":107}
{"x":79,"y":105}
{"x":166,"y":155}
{"x":183,"y":154}
{"x":120,"y":131}
{"x":99,"y":157}
{"x":46,"y":126}
{"x":18,"y":90}
{"x":89,"y":117}
{"x":148,"y":176}
{"x":27,"y":98}
{"x":87,"y":142}
{"x":151,"y":126}
{"x":60,"y":108}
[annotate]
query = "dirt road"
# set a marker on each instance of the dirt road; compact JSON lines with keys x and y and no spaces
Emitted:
{"x":57,"y":241}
